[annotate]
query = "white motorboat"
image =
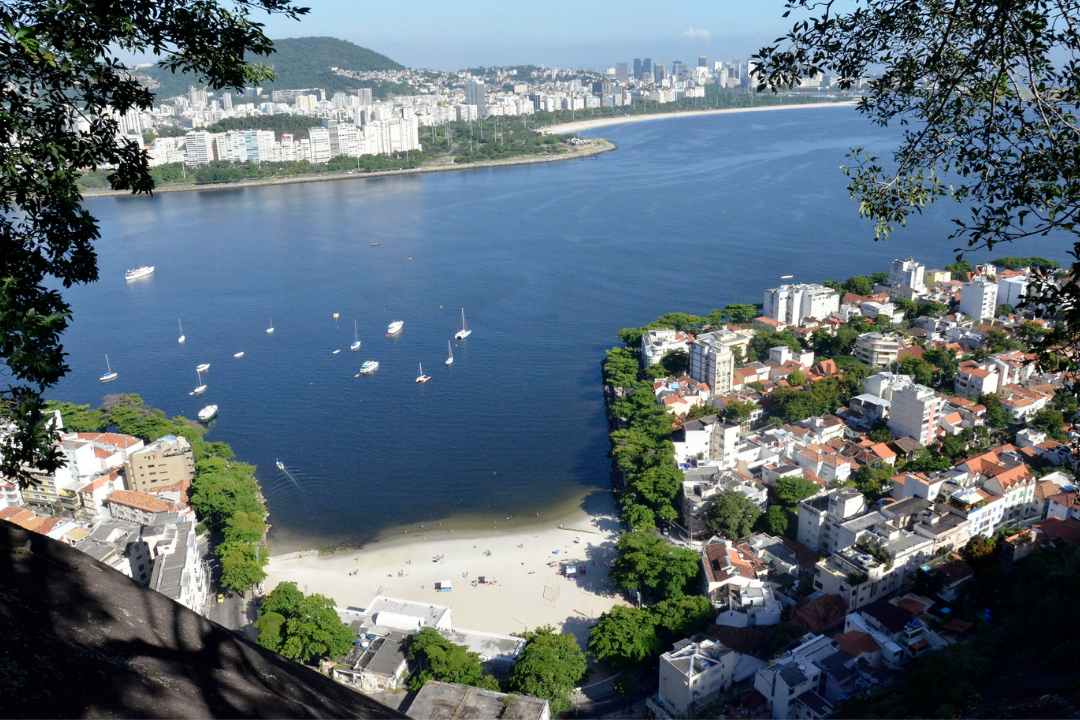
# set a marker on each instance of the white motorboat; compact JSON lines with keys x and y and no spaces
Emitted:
{"x":208,"y":413}
{"x":239,"y":354}
{"x":422,"y":378}
{"x":280,"y":465}
{"x":202,"y":368}
{"x":201,"y":387}
{"x":182,"y":336}
{"x":395,"y":327}
{"x":139,"y":272}
{"x":335,"y":352}
{"x":450,"y":360}
{"x":109,"y":375}
{"x":356,"y":338}
{"x":271,"y":328}
{"x":369,"y":367}
{"x":465,"y":331}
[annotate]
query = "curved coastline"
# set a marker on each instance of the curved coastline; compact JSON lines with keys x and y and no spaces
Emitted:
{"x":602,"y":146}
{"x":580,"y":125}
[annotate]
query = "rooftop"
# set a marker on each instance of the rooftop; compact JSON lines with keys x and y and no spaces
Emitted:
{"x":449,"y":700}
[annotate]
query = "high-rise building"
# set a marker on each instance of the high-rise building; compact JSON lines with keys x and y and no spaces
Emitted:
{"x":637,"y":68}
{"x":320,"y":144}
{"x":791,"y":304}
{"x":226,"y":101}
{"x":164,"y":462}
{"x":913,"y":413}
{"x":646,"y":66}
{"x":197,"y":147}
{"x":678,"y":70}
{"x":365,"y":96}
{"x":196,"y":96}
{"x":701,"y":61}
{"x":474,"y":95}
{"x":978,"y":298}
{"x":907,"y":273}
{"x":712,"y":357}
{"x":622,"y":73}
{"x":659,"y":72}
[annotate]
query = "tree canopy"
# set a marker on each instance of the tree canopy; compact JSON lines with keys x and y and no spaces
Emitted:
{"x":65,"y":89}
{"x":731,"y":515}
{"x":314,"y":631}
{"x":646,"y":562}
{"x":624,"y":636}
{"x":439,"y":659}
{"x":549,"y":667}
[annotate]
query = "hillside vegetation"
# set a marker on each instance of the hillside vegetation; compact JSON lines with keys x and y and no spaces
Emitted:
{"x":300,"y":63}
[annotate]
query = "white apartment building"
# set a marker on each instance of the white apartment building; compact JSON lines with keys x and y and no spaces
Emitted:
{"x":877,"y":350}
{"x":914,"y":412}
{"x":712,"y":357}
{"x":1011,"y":291}
{"x":820,"y":515}
{"x":178,"y":572}
{"x":692,"y":676}
{"x":978,"y":298}
{"x":907,"y":273}
{"x":883,"y":384}
{"x":655,"y":344}
{"x":198,"y":147}
{"x":791,"y":304}
{"x":319,"y":138}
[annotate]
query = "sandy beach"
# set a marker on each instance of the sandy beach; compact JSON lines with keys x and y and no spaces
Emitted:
{"x":525,"y":555}
{"x":582,"y":125}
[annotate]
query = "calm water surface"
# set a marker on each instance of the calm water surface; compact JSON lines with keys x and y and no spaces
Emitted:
{"x":548,"y":262}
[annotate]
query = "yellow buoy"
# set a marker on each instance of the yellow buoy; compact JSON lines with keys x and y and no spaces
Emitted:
{"x":335,"y":316}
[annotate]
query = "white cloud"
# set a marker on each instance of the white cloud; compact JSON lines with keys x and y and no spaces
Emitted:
{"x":698,"y":34}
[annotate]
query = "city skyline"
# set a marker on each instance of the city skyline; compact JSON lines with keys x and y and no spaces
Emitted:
{"x":596,"y":36}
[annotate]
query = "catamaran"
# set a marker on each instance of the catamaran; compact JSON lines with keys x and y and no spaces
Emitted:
{"x":450,"y":360}
{"x":422,"y":378}
{"x":139,"y":272}
{"x":356,"y":338}
{"x":109,"y":375}
{"x":182,"y":336}
{"x":271,"y":328}
{"x":201,"y":387}
{"x":369,"y":367}
{"x":395,"y":327}
{"x":465,"y":331}
{"x":208,"y":413}
{"x":202,"y":368}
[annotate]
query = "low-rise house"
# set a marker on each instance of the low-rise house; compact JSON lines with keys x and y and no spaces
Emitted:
{"x":791,"y":682}
{"x":972,"y":380}
{"x":93,"y":494}
{"x":655,"y":344}
{"x":728,"y":564}
{"x":441,"y":700}
{"x":145,"y":509}
{"x":377,"y":665}
{"x":119,"y":544}
{"x":692,"y":676}
{"x":752,"y":605}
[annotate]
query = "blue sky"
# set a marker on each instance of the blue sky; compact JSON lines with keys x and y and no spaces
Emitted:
{"x":446,"y":35}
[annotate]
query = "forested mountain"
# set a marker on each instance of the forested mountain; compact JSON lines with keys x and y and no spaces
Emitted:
{"x":300,"y":63}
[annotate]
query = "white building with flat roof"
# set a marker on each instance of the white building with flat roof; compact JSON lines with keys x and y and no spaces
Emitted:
{"x":914,"y":412}
{"x":978,"y":298}
{"x":907,"y":273}
{"x":791,"y":304}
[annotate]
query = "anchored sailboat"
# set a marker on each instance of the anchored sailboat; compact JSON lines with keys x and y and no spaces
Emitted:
{"x":356,"y":338}
{"x":465,"y":331}
{"x":422,"y":378}
{"x":182,"y":336}
{"x":450,"y":360}
{"x":109,"y":375}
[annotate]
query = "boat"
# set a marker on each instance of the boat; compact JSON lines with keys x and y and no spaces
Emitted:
{"x":422,"y":378}
{"x":271,"y":328}
{"x":202,"y":368}
{"x":369,"y":367}
{"x":139,"y":272}
{"x":374,"y":244}
{"x":465,"y":331}
{"x":182,"y":336}
{"x":356,"y":338}
{"x":239,"y":354}
{"x":450,"y":360}
{"x":335,"y":316}
{"x":395,"y":327}
{"x":109,"y":375}
{"x":201,"y":387}
{"x":208,"y":413}
{"x":335,"y":352}
{"x":280,"y":465}
{"x":786,"y":277}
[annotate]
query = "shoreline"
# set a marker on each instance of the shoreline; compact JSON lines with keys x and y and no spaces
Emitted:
{"x":601,"y":146}
{"x":579,"y":125}
{"x":527,"y":591}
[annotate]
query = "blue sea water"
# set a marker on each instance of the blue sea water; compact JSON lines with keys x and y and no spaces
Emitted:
{"x":549,"y":261}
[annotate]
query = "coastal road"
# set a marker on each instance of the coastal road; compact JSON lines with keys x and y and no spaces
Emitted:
{"x":235,"y":611}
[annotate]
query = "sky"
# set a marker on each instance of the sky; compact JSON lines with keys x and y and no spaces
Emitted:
{"x":559,"y":33}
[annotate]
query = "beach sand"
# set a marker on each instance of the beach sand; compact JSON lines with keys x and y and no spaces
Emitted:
{"x":582,"y":125}
{"x":527,"y":593}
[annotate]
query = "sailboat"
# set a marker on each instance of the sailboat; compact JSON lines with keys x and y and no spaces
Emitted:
{"x":109,"y":375}
{"x":422,"y":378}
{"x":182,"y":336}
{"x":356,"y":338}
{"x":450,"y":360}
{"x":271,"y":328}
{"x":201,"y":387}
{"x":465,"y":331}
{"x":202,"y":368}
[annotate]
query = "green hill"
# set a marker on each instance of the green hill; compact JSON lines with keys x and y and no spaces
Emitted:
{"x":300,"y":63}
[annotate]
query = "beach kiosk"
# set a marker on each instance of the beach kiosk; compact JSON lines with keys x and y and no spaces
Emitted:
{"x":443,"y":586}
{"x":486,"y":579}
{"x":571,"y":571}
